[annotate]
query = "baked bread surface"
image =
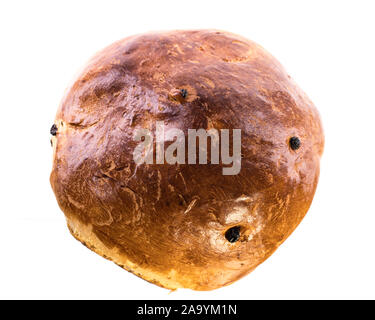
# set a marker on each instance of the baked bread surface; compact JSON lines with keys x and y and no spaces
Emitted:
{"x":168,"y":223}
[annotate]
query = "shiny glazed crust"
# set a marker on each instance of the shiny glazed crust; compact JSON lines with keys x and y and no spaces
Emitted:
{"x":167,"y":223}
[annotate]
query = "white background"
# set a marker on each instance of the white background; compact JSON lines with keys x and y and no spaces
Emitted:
{"x":326,"y":46}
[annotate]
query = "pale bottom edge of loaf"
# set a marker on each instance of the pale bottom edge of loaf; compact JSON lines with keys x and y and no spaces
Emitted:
{"x":83,"y":233}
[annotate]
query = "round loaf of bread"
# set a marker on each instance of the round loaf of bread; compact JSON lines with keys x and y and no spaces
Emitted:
{"x":185,"y":225}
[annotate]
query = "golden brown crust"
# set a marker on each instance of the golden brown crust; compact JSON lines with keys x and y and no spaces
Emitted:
{"x":167,"y":222}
